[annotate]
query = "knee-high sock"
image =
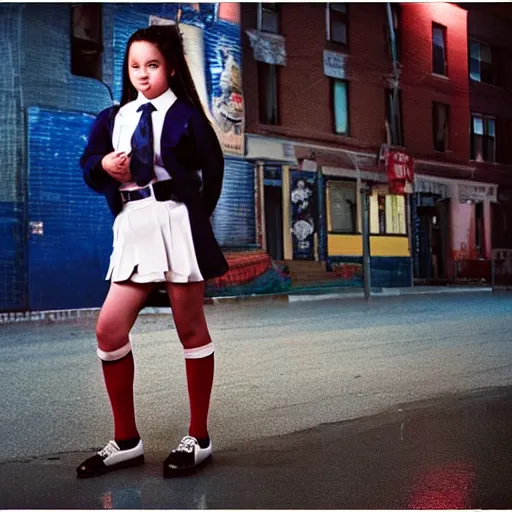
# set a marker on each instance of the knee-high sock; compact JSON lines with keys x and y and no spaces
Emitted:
{"x":119,"y":376}
{"x":199,"y":381}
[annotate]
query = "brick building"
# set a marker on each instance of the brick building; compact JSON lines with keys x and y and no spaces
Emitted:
{"x":490,"y":45}
{"x":317,"y":83}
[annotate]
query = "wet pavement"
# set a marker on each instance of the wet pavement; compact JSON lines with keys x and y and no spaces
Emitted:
{"x":453,"y":452}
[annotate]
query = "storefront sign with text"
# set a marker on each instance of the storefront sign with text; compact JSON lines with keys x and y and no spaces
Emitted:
{"x":400,"y":171}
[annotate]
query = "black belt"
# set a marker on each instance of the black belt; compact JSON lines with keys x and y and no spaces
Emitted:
{"x":163,"y":191}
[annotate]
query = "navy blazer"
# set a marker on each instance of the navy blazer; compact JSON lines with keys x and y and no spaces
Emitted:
{"x":188,"y":144}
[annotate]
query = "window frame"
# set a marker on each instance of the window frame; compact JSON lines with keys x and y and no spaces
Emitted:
{"x":447,"y":130}
{"x":262,"y":6}
{"x":382,"y":217}
{"x":347,"y":182}
{"x":492,"y":64}
{"x":344,"y":17}
{"x":80,"y":45}
{"x":263,"y":97}
{"x":485,"y":138}
{"x":445,"y":49}
{"x":333,"y":82}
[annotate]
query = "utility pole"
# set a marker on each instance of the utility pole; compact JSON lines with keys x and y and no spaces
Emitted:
{"x":364,"y":191}
{"x":396,"y":74}
{"x":395,"y":133}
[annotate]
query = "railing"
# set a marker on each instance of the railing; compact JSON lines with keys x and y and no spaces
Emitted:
{"x":501,"y":267}
{"x":474,"y":271}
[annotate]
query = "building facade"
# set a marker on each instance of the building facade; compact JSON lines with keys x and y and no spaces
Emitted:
{"x":61,"y":65}
{"x":317,"y":83}
{"x":316,"y":87}
{"x":490,"y":44}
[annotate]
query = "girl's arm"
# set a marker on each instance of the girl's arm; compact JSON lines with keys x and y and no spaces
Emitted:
{"x":98,"y":145}
{"x":211,"y":159}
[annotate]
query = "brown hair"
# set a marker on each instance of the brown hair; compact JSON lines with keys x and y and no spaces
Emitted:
{"x":168,"y":39}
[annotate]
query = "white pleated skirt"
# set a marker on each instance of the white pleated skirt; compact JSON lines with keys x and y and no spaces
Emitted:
{"x":153,"y":243}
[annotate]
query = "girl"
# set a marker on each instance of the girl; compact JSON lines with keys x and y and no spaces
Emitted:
{"x":159,"y":164}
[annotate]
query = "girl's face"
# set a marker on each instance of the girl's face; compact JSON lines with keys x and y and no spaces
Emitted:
{"x":147,"y":69}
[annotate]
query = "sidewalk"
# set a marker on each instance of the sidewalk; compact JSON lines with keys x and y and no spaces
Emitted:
{"x":294,"y":295}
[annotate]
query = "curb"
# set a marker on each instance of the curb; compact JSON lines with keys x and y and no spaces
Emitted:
{"x":53,"y":316}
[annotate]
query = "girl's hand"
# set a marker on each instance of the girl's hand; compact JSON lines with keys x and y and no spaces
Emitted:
{"x":117,"y":165}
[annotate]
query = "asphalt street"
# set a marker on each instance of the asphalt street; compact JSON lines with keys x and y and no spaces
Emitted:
{"x":331,"y":404}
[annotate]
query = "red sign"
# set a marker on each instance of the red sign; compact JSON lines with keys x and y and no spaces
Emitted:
{"x":400,"y":170}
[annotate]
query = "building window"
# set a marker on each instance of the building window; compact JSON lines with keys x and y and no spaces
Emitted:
{"x":439,"y":49}
{"x":483,"y":139}
{"x":387,"y":214}
{"x":480,"y":63}
{"x":268,"y":93}
{"x":441,"y":126}
{"x":337,"y":22}
{"x":86,"y":40}
{"x":342,"y":206}
{"x":398,"y":117}
{"x":268,"y":18}
{"x":395,"y":16}
{"x":340,"y":106}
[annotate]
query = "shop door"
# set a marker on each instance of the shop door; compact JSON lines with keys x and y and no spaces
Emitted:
{"x":274,"y":221}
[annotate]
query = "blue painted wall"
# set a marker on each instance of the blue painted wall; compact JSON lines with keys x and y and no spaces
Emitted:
{"x":46,"y":114}
{"x":12,"y":161}
{"x":68,"y":263}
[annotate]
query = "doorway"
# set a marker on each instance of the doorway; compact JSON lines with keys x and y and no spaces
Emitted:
{"x":433,"y":238}
{"x":274,"y":221}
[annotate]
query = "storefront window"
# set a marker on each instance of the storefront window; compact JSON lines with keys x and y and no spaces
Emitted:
{"x":387,"y":214}
{"x":342,"y":206}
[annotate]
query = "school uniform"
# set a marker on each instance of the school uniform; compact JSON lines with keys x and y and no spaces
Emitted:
{"x":166,"y":236}
{"x":162,"y":232}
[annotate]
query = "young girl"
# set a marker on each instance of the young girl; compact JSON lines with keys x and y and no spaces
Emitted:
{"x":159,"y":164}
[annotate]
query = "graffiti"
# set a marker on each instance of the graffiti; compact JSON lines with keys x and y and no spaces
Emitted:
{"x":228,"y":106}
{"x":348,"y":271}
{"x":303,"y":225}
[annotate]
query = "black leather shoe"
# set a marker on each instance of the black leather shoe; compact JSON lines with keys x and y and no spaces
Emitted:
{"x":187,"y":457}
{"x":110,"y":459}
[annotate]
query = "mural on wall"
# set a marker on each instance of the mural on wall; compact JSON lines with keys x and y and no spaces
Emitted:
{"x":228,"y":104}
{"x":303,"y":216}
{"x":224,"y":79}
{"x":212,"y":41}
{"x":384,"y":271}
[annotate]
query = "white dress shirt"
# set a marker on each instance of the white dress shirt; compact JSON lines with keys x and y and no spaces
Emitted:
{"x":127,"y":120}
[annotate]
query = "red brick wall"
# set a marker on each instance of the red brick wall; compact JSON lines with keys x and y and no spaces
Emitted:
{"x":305,"y":93}
{"x":420,"y":87}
